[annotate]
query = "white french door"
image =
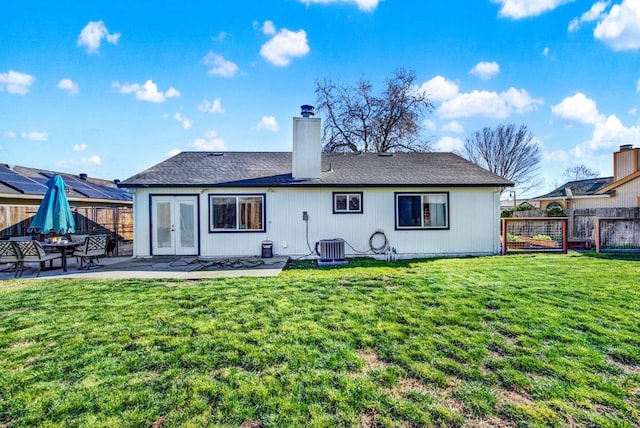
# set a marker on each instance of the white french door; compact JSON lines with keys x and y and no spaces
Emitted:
{"x":174,"y":225}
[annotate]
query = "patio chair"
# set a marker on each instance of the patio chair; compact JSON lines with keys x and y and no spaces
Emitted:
{"x":89,"y":253}
{"x":32,"y":252}
{"x":10,"y":254}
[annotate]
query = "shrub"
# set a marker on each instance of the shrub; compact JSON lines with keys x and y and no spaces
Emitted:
{"x":555,"y":211}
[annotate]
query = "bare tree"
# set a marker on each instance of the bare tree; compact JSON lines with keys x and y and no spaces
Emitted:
{"x":359,"y":120}
{"x":507,"y":151}
{"x":579,"y":172}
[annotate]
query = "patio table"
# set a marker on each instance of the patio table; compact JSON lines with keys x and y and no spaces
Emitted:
{"x":62,"y":247}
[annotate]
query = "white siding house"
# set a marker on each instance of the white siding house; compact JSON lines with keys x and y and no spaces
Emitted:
{"x":226,"y":204}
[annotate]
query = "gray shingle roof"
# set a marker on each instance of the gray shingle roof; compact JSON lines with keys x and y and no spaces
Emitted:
{"x":579,"y":188}
{"x":249,"y":169}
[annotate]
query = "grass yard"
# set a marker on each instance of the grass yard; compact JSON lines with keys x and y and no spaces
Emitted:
{"x":524,"y":340}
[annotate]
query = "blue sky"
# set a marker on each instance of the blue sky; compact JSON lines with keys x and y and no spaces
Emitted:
{"x":111,"y":88}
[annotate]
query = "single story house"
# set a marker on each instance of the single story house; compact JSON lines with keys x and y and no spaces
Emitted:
{"x":215,"y":204}
{"x":620,"y":191}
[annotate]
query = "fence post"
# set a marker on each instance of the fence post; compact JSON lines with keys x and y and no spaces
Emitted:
{"x":503,"y":237}
{"x":597,"y":233}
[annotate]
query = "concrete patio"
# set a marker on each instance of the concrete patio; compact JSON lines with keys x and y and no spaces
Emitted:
{"x":176,"y":267}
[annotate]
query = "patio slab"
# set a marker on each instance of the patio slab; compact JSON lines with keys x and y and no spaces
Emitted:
{"x":177,"y":267}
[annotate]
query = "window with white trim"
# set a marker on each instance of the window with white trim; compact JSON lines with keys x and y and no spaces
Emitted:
{"x":422,"y":210}
{"x":347,"y":202}
{"x":236,"y":213}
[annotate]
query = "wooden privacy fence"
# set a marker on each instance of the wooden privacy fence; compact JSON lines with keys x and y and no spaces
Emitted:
{"x":582,"y":221}
{"x":15,"y":220}
{"x":534,"y":234}
{"x":617,"y":235}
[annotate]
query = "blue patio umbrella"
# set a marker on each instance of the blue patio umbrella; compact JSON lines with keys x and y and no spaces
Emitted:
{"x":54,"y":212}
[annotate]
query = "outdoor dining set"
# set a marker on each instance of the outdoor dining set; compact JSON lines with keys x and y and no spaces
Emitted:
{"x":18,"y":252}
{"x":53,"y":237}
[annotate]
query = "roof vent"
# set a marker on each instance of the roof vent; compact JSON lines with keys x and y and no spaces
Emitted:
{"x":216,"y":154}
{"x":626,"y":147}
{"x":307,"y":110}
{"x":83,"y":176}
{"x":385,"y":154}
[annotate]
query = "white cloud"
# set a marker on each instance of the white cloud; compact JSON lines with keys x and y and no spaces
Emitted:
{"x":633,"y":111}
{"x":439,"y":89}
{"x":268,"y":123}
{"x":93,"y":33}
{"x":489,"y":104}
{"x":545,"y":51}
{"x":453,"y":126}
{"x":485,"y":70}
{"x":268,"y":28}
{"x":607,"y":136}
{"x":449,"y":144}
{"x":214,"y":106}
{"x":147,"y":92}
{"x":219,"y":65}
{"x":34,"y":136}
{"x":620,"y":29}
{"x":430,"y":125}
{"x":10,"y":135}
{"x":210,"y":142}
{"x":80,"y":163}
{"x":285,"y":46}
{"x":517,"y":9}
{"x":611,"y":133}
{"x":578,"y":108}
{"x":174,"y":152}
{"x":15,"y":82}
{"x":594,"y":14}
{"x":79,"y":147}
{"x":220,"y":37}
{"x":364,"y":5}
{"x":186,"y":123}
{"x":68,"y":85}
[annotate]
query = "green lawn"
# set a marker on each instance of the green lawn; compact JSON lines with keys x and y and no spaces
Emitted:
{"x":524,"y":340}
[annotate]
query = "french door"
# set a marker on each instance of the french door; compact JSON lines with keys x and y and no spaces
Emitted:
{"x":174,"y":225}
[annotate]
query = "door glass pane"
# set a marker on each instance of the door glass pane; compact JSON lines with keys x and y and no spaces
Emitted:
{"x":187,"y":225}
{"x":163,"y":224}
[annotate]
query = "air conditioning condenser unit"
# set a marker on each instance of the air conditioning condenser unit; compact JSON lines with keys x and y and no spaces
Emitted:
{"x":331,"y":252}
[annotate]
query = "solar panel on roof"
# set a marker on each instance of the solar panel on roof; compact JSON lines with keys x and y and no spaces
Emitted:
{"x":85,"y":188}
{"x":21,"y":183}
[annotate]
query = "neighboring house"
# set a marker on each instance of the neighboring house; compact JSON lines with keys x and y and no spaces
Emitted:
{"x":620,"y":191}
{"x":508,"y":204}
{"x":215,"y":204}
{"x":96,"y":202}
